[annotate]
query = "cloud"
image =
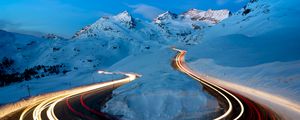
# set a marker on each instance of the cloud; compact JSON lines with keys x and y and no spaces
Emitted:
{"x":221,"y":2}
{"x":4,"y":24}
{"x":17,"y":28}
{"x":147,"y":11}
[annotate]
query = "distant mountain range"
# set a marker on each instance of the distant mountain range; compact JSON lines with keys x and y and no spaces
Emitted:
{"x":104,"y":42}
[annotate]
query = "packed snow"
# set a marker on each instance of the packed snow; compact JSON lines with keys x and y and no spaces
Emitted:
{"x":161,"y":93}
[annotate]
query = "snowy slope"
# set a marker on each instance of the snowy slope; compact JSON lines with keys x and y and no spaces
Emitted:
{"x":20,"y":47}
{"x":79,"y":60}
{"x":72,"y":53}
{"x":209,"y":16}
{"x":257,"y":47}
{"x":258,"y":17}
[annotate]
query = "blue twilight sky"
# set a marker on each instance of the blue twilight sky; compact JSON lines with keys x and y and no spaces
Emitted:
{"x":65,"y":17}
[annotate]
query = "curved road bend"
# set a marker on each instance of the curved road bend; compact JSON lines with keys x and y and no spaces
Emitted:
{"x":236,"y":106}
{"x":77,"y":104}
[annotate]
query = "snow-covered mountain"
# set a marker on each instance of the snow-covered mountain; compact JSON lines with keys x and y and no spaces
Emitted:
{"x":110,"y":39}
{"x":99,"y":45}
{"x":167,"y":28}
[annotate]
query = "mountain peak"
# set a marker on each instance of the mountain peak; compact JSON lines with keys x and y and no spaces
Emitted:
{"x":114,"y":25}
{"x":126,"y":18}
{"x":193,"y":10}
{"x":123,"y":16}
{"x":209,"y":16}
{"x":165,"y":16}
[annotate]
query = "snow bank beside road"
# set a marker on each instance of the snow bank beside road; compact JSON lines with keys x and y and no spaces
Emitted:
{"x":278,"y":78}
{"x":161,"y":93}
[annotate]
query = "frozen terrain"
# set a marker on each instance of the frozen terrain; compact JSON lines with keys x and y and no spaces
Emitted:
{"x":161,"y":93}
{"x":110,"y":40}
{"x":259,"y":49}
{"x":79,"y":59}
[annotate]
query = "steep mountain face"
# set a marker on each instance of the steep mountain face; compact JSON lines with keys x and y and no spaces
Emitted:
{"x":189,"y":26}
{"x":138,"y":34}
{"x":126,"y":19}
{"x":165,"y":17}
{"x":108,"y":26}
{"x":209,"y":16}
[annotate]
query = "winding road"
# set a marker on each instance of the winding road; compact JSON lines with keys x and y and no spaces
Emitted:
{"x":237,"y":107}
{"x":76,"y":104}
{"x":85,"y":102}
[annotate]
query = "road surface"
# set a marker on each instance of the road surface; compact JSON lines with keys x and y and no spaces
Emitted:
{"x":85,"y":102}
{"x":80,"y":103}
{"x":237,"y":107}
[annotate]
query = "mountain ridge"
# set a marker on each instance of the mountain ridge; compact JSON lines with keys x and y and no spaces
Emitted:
{"x":187,"y":27}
